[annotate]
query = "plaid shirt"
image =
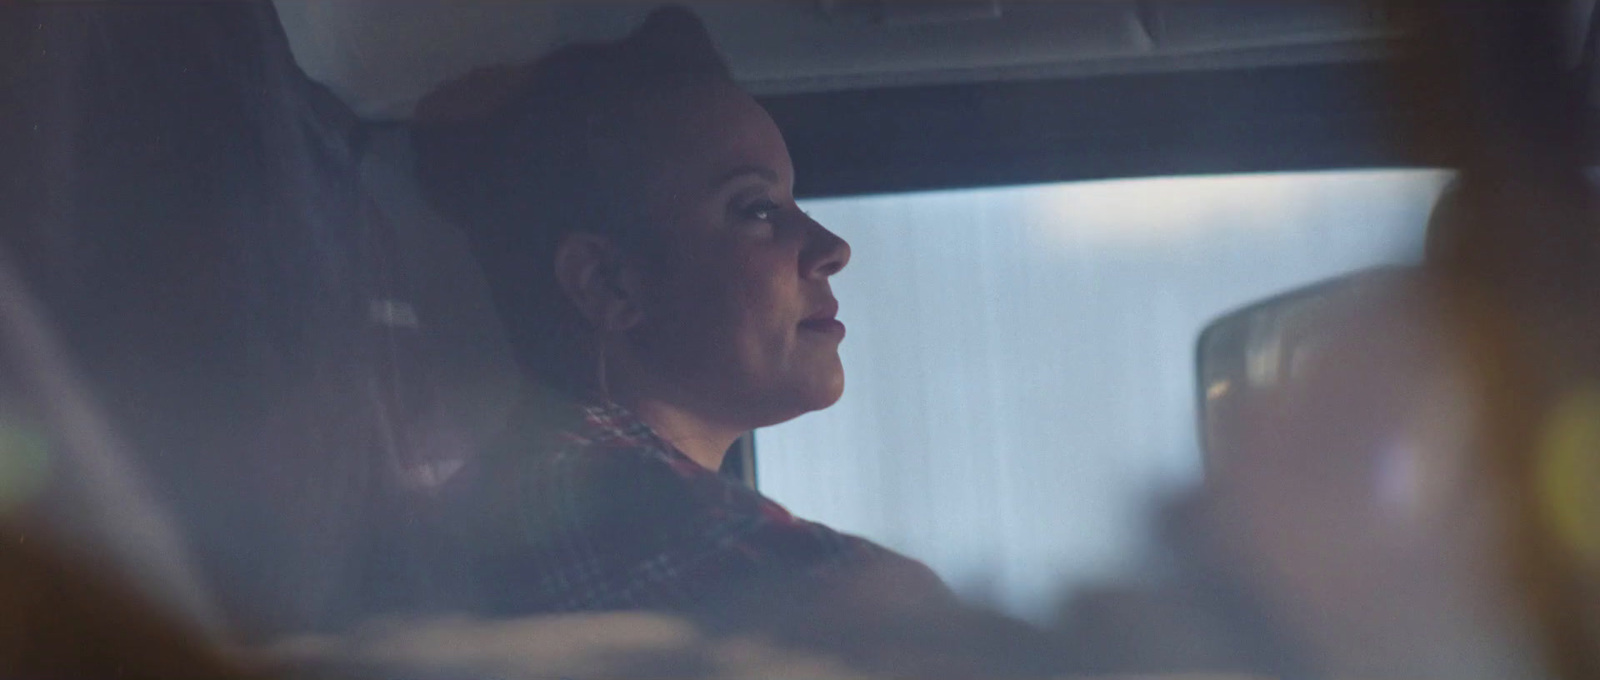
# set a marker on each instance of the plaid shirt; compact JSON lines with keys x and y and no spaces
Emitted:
{"x":611,"y":517}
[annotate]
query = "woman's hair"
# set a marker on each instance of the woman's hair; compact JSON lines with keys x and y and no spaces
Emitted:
{"x":520,"y":157}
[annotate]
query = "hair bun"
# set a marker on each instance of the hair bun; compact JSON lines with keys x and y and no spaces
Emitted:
{"x":673,"y":40}
{"x":475,"y":95}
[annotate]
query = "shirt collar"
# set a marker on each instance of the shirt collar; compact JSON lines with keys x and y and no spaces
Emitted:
{"x":610,"y":424}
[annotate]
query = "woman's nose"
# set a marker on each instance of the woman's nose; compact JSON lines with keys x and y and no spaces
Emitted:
{"x":825,"y":253}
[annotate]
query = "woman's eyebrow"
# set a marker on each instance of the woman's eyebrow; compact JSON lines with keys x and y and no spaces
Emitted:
{"x":745,"y":170}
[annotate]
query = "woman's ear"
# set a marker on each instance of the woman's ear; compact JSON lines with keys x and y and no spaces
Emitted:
{"x":599,"y":281}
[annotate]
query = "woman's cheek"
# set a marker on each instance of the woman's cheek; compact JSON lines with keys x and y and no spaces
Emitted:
{"x":773,"y":292}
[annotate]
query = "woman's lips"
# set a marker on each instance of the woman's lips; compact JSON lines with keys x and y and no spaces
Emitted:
{"x":826,"y":326}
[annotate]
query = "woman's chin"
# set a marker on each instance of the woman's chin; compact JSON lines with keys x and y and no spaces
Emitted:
{"x":827,"y":391}
{"x":817,"y":392}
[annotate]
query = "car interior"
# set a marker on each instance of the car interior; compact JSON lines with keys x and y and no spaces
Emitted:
{"x":933,"y":110}
{"x":234,"y":327}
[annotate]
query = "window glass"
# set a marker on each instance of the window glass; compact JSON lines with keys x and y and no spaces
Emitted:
{"x":1020,"y":361}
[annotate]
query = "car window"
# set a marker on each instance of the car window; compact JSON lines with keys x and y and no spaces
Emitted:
{"x":1020,"y":360}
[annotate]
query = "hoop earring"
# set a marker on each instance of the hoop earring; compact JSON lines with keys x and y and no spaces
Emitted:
{"x":602,"y":383}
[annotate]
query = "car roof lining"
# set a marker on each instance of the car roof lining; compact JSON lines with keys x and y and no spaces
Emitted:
{"x":382,"y":55}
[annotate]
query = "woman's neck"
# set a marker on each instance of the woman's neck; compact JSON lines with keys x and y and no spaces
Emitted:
{"x":702,"y":441}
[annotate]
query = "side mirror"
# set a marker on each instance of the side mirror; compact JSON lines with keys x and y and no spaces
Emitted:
{"x":1268,"y":344}
{"x":1350,"y":470}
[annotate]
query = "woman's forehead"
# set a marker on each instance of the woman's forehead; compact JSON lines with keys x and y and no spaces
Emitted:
{"x":706,"y":131}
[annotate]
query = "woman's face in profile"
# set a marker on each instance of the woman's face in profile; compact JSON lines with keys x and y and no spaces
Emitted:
{"x":741,"y":322}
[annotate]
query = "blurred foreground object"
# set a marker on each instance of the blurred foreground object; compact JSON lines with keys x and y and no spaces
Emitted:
{"x":1400,"y":466}
{"x":1350,"y":523}
{"x":65,"y":619}
{"x":581,"y":645}
{"x":1504,"y":104}
{"x":1349,"y":431}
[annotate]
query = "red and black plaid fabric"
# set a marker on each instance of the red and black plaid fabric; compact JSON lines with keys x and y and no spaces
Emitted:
{"x":611,"y":516}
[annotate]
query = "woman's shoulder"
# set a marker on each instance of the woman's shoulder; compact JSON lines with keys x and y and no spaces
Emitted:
{"x":639,"y":512}
{"x":558,"y":460}
{"x":554,"y":440}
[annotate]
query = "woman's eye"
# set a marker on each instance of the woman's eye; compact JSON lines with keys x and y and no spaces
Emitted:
{"x":763,"y":211}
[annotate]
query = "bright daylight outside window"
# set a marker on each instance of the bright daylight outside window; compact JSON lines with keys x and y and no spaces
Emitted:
{"x":1020,"y":361}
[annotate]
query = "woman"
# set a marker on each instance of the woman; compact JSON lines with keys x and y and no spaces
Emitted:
{"x":634,"y":212}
